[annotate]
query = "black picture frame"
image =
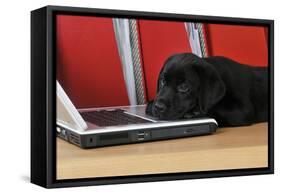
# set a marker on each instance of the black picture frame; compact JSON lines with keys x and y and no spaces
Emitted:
{"x":43,"y":103}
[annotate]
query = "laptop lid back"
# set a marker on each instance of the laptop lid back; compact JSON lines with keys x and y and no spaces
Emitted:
{"x":67,"y":114}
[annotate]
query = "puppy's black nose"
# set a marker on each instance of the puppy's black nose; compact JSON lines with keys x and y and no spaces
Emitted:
{"x":160,"y":107}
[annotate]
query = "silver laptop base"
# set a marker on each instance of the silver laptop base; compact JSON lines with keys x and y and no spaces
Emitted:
{"x":134,"y":136}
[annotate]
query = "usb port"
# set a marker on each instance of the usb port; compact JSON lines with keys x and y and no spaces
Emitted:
{"x":141,"y":135}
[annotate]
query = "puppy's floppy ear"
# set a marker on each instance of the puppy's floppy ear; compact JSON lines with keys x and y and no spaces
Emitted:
{"x":212,"y":88}
{"x":149,"y":105}
{"x":160,"y":76}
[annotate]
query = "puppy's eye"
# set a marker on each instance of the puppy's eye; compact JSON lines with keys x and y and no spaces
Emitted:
{"x":183,"y":88}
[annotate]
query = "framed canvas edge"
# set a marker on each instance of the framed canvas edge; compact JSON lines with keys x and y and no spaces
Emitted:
{"x":50,"y":144}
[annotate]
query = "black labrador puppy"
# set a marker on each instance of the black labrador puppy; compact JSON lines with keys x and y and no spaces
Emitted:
{"x":189,"y":86}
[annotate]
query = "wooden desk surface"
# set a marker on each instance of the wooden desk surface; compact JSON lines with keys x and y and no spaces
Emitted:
{"x":229,"y":148}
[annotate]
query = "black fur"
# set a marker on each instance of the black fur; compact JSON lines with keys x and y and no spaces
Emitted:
{"x":189,"y":86}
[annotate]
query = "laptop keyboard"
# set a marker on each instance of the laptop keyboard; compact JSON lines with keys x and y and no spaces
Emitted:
{"x":114,"y":117}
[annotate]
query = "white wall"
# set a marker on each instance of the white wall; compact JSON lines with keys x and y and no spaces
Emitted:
{"x":15,"y":94}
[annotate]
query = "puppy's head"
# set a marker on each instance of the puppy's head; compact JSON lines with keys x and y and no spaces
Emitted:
{"x":186,"y":83}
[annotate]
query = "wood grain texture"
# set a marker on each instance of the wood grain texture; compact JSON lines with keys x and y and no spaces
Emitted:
{"x":228,"y":148}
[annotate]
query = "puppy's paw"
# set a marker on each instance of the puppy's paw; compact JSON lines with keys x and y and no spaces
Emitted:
{"x":188,"y":115}
{"x":148,"y":109}
{"x":195,"y":114}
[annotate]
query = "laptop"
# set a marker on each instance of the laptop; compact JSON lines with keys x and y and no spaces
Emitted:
{"x":97,"y":127}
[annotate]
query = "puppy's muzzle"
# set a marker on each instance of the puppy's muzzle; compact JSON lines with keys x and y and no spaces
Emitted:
{"x":160,"y":107}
